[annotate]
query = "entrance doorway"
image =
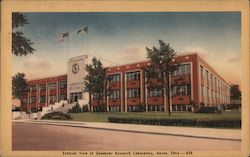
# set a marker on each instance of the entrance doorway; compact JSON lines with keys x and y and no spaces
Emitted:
{"x":74,"y":97}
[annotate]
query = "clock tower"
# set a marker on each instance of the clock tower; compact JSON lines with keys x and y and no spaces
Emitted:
{"x":76,"y":74}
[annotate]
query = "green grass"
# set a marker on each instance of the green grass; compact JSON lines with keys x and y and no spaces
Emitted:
{"x":103,"y":116}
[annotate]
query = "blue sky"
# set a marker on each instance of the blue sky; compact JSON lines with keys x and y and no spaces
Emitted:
{"x":122,"y":38}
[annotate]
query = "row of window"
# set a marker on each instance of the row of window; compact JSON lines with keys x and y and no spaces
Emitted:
{"x":182,"y":108}
{"x":212,"y":81}
{"x":131,"y":76}
{"x":51,"y":86}
{"x":114,"y":108}
{"x":115,"y":94}
{"x":135,"y":108}
{"x":42,"y":99}
{"x":155,"y":107}
{"x":114,"y":78}
{"x":180,"y":90}
{"x":133,"y":93}
{"x":182,"y":69}
{"x":211,"y":93}
{"x":157,"y":92}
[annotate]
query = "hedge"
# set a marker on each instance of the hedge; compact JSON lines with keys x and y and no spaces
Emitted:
{"x":179,"y":122}
{"x":208,"y":109}
{"x":57,"y":116}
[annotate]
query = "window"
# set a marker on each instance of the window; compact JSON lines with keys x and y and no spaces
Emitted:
{"x":33,"y":99}
{"x":63,"y":97}
{"x":134,"y":108}
{"x":25,"y":100}
{"x":157,"y":92}
{"x":96,"y":96}
{"x":42,"y":87}
{"x":207,"y":75}
{"x":133,"y":76}
{"x":182,"y":70}
{"x":114,"y":108}
{"x":212,"y":80}
{"x":201,"y":71}
{"x":115,"y":94}
{"x":52,"y":98}
{"x":63,"y":84}
{"x":133,"y":93}
{"x":42,"y":99}
{"x":33,"y":88}
{"x":155,"y":108}
{"x":114,"y":78}
{"x":208,"y":92}
{"x":202,"y":90}
{"x":52,"y":86}
{"x":180,"y":90}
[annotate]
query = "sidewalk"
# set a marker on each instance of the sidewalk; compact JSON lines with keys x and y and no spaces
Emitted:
{"x":207,"y":133}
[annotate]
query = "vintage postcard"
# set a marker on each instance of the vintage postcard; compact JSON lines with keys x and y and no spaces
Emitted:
{"x":125,"y":78}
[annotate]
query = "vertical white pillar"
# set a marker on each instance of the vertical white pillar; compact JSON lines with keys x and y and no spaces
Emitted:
{"x":37,"y":95}
{"x":48,"y":95}
{"x":170,"y":92}
{"x":107,"y":98}
{"x":121,"y":91}
{"x":165,"y":105}
{"x":141,"y":85}
{"x":57,"y":91}
{"x":125,"y":90}
{"x":146,"y":93}
{"x":30,"y":99}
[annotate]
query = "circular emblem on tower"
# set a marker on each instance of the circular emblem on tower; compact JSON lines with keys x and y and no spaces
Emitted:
{"x":75,"y":68}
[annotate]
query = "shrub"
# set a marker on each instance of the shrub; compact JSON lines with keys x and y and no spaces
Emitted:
{"x":101,"y":108}
{"x":85,"y":108}
{"x":207,"y":109}
{"x":16,"y":109}
{"x":179,"y":122}
{"x":57,"y":116}
{"x":76,"y":109}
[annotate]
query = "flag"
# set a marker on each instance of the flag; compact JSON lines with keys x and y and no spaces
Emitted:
{"x":84,"y":28}
{"x":63,"y":36}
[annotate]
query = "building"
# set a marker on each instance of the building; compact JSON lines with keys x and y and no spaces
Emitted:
{"x":43,"y":92}
{"x":76,"y":73}
{"x":194,"y":84}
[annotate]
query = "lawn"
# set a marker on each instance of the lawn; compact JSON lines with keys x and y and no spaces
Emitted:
{"x":103,"y":116}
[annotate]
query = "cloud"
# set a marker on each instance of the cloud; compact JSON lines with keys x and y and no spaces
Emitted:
{"x":226,"y":63}
{"x":131,"y":53}
{"x":200,"y":50}
{"x":35,"y":67}
{"x":235,"y":58}
{"x":37,"y":63}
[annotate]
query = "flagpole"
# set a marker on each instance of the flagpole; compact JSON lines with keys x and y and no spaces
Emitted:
{"x":87,"y":44}
{"x":68,"y":49}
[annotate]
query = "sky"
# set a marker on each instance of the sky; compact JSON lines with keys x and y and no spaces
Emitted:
{"x":120,"y":38}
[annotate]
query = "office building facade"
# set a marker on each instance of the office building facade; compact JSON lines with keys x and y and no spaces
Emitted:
{"x":194,"y":84}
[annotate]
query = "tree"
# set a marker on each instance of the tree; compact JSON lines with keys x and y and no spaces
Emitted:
{"x":19,"y":86}
{"x":162,"y":66}
{"x":20,"y":44}
{"x":95,"y":80}
{"x":235,"y":92}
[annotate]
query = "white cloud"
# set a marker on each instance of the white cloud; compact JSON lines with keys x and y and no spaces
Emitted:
{"x":200,"y":50}
{"x":35,"y":62}
{"x":35,"y":67}
{"x":226,"y":63}
{"x":233,"y":58}
{"x":130,"y":54}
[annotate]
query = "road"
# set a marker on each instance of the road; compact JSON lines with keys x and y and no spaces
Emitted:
{"x":50,"y":137}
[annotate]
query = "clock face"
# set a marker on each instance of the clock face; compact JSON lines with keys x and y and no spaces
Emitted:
{"x":75,"y":68}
